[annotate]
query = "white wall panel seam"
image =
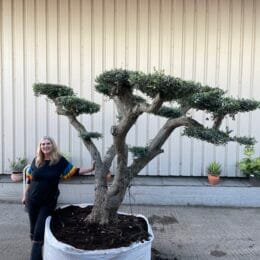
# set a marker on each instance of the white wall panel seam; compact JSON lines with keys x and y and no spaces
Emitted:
{"x":69,"y":65}
{"x":160,"y":68}
{"x":47,"y":61}
{"x":205,"y":76}
{"x":252,"y":65}
{"x":137,"y":34}
{"x":240,"y":74}
{"x":171,"y":60}
{"x":228,"y":75}
{"x":183,"y":54}
{"x":126,"y":35}
{"x":194,"y":69}
{"x":1,"y":90}
{"x":115,"y":33}
{"x":138,"y":13}
{"x":92,"y":57}
{"x":58,"y":65}
{"x":24,"y":79}
{"x":217,"y":64}
{"x":103,"y":105}
{"x":81,"y":73}
{"x":36,"y":66}
{"x":148,"y":69}
{"x":13,"y":81}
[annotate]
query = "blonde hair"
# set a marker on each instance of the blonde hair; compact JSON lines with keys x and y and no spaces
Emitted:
{"x":54,"y":156}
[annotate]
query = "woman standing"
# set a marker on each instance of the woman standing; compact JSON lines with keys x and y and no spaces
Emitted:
{"x":41,"y":193}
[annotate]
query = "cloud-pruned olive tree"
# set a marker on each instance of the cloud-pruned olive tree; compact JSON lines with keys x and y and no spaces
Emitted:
{"x":135,"y":93}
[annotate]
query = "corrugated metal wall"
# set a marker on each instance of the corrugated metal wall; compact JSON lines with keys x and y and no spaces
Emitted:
{"x":216,"y":42}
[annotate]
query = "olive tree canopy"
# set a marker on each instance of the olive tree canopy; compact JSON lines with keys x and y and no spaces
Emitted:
{"x":135,"y":93}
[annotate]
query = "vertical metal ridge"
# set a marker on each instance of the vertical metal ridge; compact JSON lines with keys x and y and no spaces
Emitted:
{"x":194,"y":70}
{"x":148,"y":68}
{"x":36,"y":66}
{"x":47,"y":60}
{"x":229,"y":59}
{"x":24,"y":79}
{"x":218,"y":46}
{"x":126,"y":35}
{"x":137,"y":52}
{"x":114,"y":60}
{"x":252,"y":65}
{"x":92,"y":54}
{"x":172,"y":37}
{"x":137,"y":35}
{"x":80,"y":72}
{"x":69,"y":65}
{"x":241,"y":47}
{"x":160,"y":67}
{"x":1,"y":89}
{"x":217,"y":64}
{"x":230,"y":38}
{"x":115,"y":34}
{"x":13,"y":78}
{"x":160,"y":35}
{"x":205,"y":77}
{"x":240,"y":73}
{"x":195,"y":45}
{"x":104,"y":36}
{"x":183,"y":38}
{"x":183,"y":54}
{"x":171,"y":57}
{"x":103,"y":67}
{"x":58,"y":64}
{"x":58,"y":41}
{"x":114,"y":57}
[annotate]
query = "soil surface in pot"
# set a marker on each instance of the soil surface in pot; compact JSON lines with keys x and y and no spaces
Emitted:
{"x":68,"y":226}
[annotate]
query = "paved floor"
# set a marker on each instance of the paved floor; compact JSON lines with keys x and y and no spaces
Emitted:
{"x":180,"y":232}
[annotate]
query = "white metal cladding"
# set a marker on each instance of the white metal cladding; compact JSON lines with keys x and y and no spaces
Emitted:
{"x":215,"y":42}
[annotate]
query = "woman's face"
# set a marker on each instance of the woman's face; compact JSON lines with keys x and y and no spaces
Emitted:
{"x":46,"y":146}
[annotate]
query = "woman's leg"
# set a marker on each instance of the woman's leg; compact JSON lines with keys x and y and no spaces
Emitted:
{"x":33,"y":211}
{"x":38,"y":234}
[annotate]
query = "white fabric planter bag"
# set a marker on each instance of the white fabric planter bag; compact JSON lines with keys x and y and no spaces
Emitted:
{"x":56,"y":250}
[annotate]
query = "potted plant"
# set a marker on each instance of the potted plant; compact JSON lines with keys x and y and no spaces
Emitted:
{"x":250,"y":166}
{"x":135,"y":93}
{"x":214,"y":171}
{"x":17,"y":165}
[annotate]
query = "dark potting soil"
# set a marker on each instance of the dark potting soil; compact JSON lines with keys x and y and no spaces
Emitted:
{"x":68,"y":226}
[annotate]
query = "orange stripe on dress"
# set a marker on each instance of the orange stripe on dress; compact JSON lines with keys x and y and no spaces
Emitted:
{"x":70,"y":173}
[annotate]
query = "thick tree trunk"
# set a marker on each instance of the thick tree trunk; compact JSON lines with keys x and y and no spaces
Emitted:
{"x":108,"y":201}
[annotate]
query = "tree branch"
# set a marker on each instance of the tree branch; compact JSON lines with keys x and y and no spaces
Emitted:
{"x":154,"y":106}
{"x":154,"y":148}
{"x":88,"y":143}
{"x":109,"y":156}
{"x":217,"y":122}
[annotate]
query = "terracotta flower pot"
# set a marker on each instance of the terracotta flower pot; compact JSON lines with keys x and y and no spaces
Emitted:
{"x":16,"y":176}
{"x":213,"y":179}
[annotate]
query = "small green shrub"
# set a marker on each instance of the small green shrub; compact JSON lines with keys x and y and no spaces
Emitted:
{"x":214,"y":168}
{"x":249,"y":165}
{"x":18,"y":164}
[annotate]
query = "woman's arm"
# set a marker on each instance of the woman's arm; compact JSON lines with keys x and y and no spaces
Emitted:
{"x":25,"y":192}
{"x":86,"y":171}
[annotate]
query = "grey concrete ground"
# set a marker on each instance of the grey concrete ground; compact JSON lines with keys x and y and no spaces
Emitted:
{"x":181,"y":232}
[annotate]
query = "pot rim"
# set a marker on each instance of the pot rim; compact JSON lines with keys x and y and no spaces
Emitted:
{"x":98,"y":251}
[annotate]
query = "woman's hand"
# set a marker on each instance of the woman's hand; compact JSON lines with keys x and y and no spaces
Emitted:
{"x":84,"y":171}
{"x":23,"y":200}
